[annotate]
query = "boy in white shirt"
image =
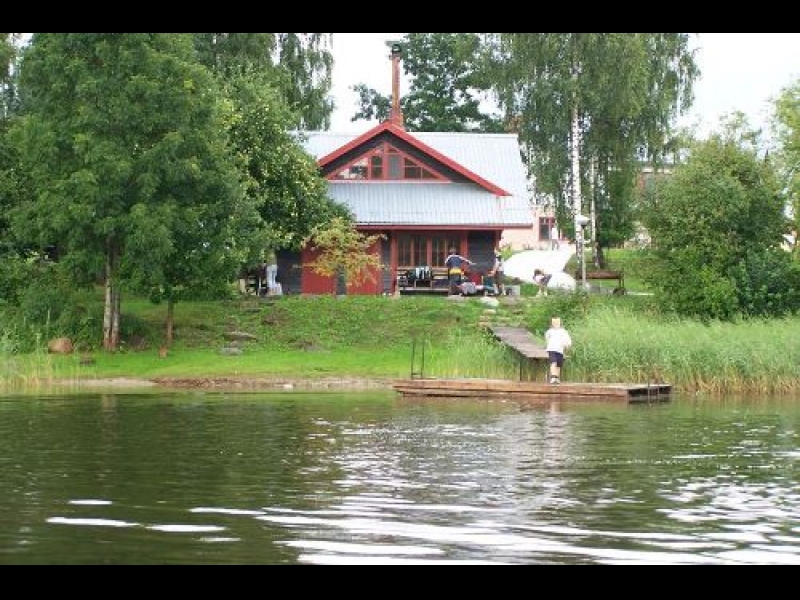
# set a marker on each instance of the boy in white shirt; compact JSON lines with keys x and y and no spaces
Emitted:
{"x":558,"y":344}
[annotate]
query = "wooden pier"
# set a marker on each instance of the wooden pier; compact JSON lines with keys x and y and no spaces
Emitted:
{"x":526,"y":392}
{"x":522,"y":341}
{"x":533,"y":356}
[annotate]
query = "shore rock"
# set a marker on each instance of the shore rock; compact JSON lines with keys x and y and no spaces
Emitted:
{"x":240,"y":336}
{"x":62,"y":346}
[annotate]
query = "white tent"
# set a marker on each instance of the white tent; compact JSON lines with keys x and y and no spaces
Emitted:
{"x":523,"y":266}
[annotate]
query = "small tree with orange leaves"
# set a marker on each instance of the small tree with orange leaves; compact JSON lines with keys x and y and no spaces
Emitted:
{"x":342,"y":250}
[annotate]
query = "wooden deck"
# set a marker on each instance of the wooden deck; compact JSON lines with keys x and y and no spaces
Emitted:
{"x":532,"y":392}
{"x":522,"y":341}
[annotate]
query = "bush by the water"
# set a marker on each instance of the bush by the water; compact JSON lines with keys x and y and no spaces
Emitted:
{"x":717,"y":225}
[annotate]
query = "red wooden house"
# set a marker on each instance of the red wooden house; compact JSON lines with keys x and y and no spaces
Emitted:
{"x":426,"y":193}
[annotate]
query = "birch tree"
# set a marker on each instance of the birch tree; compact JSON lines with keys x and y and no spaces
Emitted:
{"x":590,"y":108}
{"x":787,"y":123}
{"x":299,"y":66}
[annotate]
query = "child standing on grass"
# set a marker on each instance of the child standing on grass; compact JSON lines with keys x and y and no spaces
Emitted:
{"x":558,"y":344}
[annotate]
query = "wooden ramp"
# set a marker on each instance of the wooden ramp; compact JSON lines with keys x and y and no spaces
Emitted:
{"x":522,"y":341}
{"x":531,"y":392}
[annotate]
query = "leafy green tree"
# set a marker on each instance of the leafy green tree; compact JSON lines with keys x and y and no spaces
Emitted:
{"x":344,"y":251}
{"x":590,"y":108}
{"x":282,"y":180}
{"x":447,"y":88}
{"x":787,"y":123}
{"x":188,"y":250}
{"x":300,"y":65}
{"x":125,"y":139}
{"x":716,"y":223}
{"x":228,"y":54}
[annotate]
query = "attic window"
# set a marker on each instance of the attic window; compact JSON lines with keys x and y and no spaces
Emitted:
{"x":387,"y":163}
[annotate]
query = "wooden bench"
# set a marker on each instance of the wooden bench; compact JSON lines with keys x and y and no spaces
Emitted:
{"x":437,"y":283}
{"x":618,"y":276}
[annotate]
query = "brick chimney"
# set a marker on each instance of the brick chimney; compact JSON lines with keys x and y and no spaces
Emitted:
{"x":396,"y":118}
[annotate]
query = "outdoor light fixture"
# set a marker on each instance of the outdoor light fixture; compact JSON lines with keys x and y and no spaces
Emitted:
{"x":581,"y":223}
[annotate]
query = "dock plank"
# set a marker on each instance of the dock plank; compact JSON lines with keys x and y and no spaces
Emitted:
{"x":522,"y":341}
{"x":522,"y":391}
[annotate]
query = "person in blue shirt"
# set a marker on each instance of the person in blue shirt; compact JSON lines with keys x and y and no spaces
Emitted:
{"x":457,"y":266}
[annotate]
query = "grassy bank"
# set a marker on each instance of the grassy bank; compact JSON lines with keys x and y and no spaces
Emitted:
{"x":616,"y":340}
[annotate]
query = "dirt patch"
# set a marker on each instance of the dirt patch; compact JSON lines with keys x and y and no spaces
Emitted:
{"x":265,"y":384}
{"x":117,"y":383}
{"x":233,"y":384}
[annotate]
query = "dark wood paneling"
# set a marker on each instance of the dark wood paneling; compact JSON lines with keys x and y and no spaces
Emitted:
{"x":388,"y":272}
{"x":290,"y":272}
{"x":481,"y":246}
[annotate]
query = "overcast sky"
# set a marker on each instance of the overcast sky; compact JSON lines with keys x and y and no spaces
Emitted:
{"x":740,"y":72}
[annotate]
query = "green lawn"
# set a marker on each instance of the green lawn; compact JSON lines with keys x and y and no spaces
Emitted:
{"x":307,"y":338}
{"x":630,"y":261}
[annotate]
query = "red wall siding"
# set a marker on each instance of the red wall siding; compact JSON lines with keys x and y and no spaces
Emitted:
{"x":370,"y":288}
{"x":316,"y":285}
{"x":313,"y":284}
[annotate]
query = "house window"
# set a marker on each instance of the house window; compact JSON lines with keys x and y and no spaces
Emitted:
{"x":547,"y":226}
{"x":440,"y":249}
{"x":387,"y":163}
{"x":412,"y":251}
{"x":421,"y":251}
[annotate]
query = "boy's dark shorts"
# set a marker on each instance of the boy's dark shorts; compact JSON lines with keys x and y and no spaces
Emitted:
{"x":556,"y":358}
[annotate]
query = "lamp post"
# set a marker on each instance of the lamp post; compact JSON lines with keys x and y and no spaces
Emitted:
{"x":581,"y":222}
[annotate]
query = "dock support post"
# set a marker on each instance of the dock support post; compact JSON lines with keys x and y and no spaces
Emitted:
{"x":414,"y":373}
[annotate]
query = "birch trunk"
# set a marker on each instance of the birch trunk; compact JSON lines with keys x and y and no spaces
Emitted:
{"x":169,"y":336}
{"x":577,"y":193}
{"x":111,"y":311}
{"x":108,"y":309}
{"x":115,"y":329}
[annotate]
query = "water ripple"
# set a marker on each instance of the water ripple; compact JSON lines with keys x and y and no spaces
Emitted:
{"x":91,"y":523}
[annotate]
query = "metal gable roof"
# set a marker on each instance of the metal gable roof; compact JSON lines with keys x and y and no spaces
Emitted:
{"x":430,"y":205}
{"x":494,"y":157}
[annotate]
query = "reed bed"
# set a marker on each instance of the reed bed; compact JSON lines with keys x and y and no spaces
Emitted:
{"x":749,"y":357}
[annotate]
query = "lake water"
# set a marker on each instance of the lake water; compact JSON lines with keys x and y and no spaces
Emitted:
{"x":372,"y":479}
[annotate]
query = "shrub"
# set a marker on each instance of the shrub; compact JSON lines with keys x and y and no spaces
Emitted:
{"x":712,"y":223}
{"x":768,"y":284}
{"x":16,"y":273}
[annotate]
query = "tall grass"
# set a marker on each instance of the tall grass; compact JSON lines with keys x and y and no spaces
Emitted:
{"x":749,"y":357}
{"x":618,"y":343}
{"x":33,"y":370}
{"x":471,"y":355}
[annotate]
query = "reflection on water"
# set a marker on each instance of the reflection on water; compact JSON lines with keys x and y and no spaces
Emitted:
{"x":300,"y":479}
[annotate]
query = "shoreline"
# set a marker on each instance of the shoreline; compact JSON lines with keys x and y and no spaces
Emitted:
{"x":227,"y":384}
